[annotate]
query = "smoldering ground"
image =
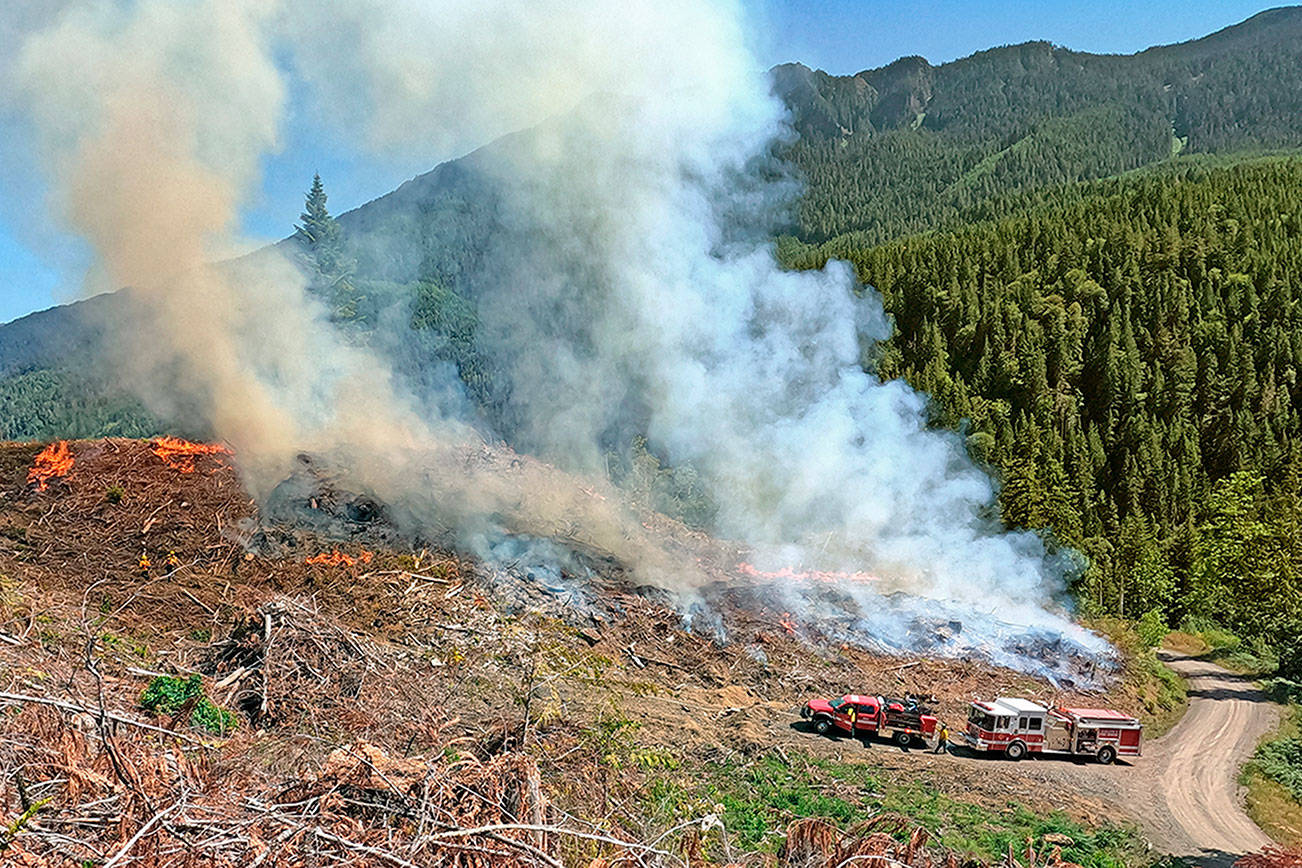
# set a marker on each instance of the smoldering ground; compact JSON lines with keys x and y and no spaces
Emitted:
{"x":619,"y":300}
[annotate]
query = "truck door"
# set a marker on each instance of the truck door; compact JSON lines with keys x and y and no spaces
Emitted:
{"x":841,"y":716}
{"x":867,"y":721}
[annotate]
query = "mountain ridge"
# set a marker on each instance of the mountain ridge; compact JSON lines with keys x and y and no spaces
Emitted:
{"x":898,"y":92}
{"x":885,"y":152}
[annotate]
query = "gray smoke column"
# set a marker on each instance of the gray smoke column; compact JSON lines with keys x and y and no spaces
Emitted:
{"x":624,"y":294}
{"x":639,"y":298}
{"x":154,"y":116}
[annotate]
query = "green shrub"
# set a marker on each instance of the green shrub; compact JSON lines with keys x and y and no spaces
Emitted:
{"x":168,"y":694}
{"x":1290,"y":654}
{"x":1281,"y":761}
{"x":1255,"y":657}
{"x":1283,"y":690}
{"x":114,"y":493}
{"x":1222,"y":640}
{"x":1152,"y":628}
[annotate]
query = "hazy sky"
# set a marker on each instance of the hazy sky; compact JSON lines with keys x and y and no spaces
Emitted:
{"x":39,"y":266}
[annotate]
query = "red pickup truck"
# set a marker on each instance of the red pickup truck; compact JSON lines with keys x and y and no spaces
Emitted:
{"x":862,"y":716}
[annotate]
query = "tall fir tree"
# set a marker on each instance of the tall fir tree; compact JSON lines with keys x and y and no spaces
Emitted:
{"x":326,"y":252}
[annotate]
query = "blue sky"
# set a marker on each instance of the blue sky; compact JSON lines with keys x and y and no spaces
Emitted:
{"x":40,"y":266}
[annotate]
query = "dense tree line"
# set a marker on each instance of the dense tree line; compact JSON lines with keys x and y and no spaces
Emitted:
{"x":53,"y":403}
{"x":1126,"y":355}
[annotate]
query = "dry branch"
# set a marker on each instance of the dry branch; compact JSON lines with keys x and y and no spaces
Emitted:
{"x":116,"y":718}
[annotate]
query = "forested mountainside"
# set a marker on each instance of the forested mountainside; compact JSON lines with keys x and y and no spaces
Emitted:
{"x":910,"y":146}
{"x":53,"y":380}
{"x":1126,"y":354}
{"x":1123,"y":352}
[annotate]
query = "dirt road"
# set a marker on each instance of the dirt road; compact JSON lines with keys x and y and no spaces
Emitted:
{"x":1183,"y":791}
{"x":1194,"y":770}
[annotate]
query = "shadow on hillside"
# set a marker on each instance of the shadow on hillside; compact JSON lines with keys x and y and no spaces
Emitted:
{"x":1229,"y":685}
{"x":1213,"y":858}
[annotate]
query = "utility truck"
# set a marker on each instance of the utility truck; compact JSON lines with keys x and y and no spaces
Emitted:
{"x":901,"y":720}
{"x":1017,"y":727}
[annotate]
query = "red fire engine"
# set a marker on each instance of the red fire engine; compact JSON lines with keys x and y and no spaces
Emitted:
{"x":900,"y":720}
{"x":1018,"y":727}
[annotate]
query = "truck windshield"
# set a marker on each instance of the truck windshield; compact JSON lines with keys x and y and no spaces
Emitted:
{"x":981,"y":719}
{"x":837,"y":703}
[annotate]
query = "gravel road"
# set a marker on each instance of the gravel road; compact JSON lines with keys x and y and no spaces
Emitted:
{"x":1194,"y":769}
{"x":1183,"y":791}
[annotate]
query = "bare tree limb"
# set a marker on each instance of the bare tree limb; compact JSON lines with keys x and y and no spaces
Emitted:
{"x":81,"y":709}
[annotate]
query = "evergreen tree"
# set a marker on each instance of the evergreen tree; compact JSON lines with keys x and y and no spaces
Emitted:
{"x":325,"y":251}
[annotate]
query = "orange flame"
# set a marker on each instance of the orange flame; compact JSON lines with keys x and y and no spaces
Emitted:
{"x":788,"y":623}
{"x":181,"y":454}
{"x":338,"y":559}
{"x":54,"y":460}
{"x":828,"y":576}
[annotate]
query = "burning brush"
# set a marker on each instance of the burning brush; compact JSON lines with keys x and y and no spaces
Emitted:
{"x":337,"y":558}
{"x":53,"y":461}
{"x":181,"y":454}
{"x":831,"y":577}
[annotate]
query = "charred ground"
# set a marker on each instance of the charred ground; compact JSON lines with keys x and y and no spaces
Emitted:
{"x":396,"y":667}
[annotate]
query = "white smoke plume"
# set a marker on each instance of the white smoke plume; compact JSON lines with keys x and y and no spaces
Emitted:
{"x":632,"y":298}
{"x":152,"y":146}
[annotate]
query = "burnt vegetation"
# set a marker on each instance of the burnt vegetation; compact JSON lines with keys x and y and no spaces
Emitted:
{"x":189,"y":681}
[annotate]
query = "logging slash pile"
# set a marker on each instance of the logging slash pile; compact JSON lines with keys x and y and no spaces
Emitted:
{"x":102,"y":790}
{"x":390,"y":703}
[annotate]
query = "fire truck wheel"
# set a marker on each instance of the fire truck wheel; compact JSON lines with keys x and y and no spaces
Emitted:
{"x":822,"y":725}
{"x":903,"y":739}
{"x":1107,"y":755}
{"x":1016,"y":750}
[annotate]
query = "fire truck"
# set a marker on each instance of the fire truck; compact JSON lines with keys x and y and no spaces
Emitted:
{"x":1017,"y":727}
{"x":901,"y":720}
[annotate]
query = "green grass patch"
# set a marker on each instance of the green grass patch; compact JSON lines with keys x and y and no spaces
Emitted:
{"x":1274,"y":780}
{"x":757,"y":799}
{"x":984,"y":832}
{"x":1202,"y":638}
{"x":168,"y":694}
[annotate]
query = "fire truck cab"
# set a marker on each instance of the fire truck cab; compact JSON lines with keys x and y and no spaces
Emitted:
{"x":1018,"y":727}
